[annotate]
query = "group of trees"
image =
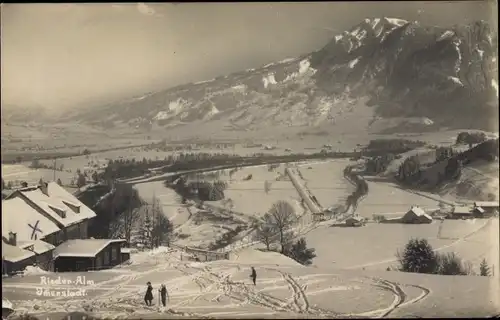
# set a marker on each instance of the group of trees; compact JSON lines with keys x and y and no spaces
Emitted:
{"x":418,"y":256}
{"x":145,"y":224}
{"x":378,"y":164}
{"x":395,"y":146}
{"x":36,"y":164}
{"x":470,"y":138}
{"x":198,"y":190}
{"x":275,"y":228}
{"x":361,"y":187}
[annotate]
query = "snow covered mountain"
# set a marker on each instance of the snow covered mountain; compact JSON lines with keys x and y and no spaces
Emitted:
{"x":401,"y":68}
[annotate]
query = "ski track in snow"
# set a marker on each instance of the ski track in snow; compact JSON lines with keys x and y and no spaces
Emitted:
{"x":216,"y":280}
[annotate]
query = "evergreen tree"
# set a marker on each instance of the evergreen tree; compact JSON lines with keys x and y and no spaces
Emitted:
{"x":484,"y":269}
{"x":418,"y":257}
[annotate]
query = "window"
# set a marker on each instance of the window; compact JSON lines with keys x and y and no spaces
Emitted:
{"x":114,"y":253}
{"x":106,"y":258}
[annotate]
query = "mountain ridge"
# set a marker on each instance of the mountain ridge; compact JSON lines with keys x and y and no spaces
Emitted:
{"x":396,"y":67}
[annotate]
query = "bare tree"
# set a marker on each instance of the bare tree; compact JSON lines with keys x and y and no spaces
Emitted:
{"x":81,"y":180}
{"x":161,"y":228}
{"x":130,"y":217}
{"x":267,"y":186}
{"x":283,"y":217}
{"x":265,"y":231}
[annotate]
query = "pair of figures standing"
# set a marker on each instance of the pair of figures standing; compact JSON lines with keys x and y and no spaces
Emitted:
{"x":148,"y":298}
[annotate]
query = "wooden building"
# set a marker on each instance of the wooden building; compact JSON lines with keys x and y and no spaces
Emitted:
{"x":15,"y":259}
{"x":88,"y":254}
{"x":490,"y":207}
{"x":462,"y":213}
{"x":355,"y":221}
{"x":416,"y":215}
{"x":59,"y":206}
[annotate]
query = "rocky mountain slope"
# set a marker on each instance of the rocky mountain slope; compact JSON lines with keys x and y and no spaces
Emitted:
{"x":446,"y":76}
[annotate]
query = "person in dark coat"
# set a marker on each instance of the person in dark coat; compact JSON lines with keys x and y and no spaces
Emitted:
{"x":148,"y":298}
{"x":163,"y":294}
{"x":254,"y":276}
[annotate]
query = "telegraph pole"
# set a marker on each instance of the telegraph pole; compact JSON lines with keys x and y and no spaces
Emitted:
{"x":55,"y":159}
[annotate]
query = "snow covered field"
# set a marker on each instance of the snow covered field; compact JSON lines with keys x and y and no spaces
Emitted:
{"x":249,"y":196}
{"x":388,"y":199}
{"x":326,"y":181}
{"x":19,"y":172}
{"x":374,"y":246}
{"x":223,"y":290}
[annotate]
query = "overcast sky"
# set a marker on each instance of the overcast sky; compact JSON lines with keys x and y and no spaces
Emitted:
{"x":67,"y":55}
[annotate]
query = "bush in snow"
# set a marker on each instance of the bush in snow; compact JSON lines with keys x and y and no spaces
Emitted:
{"x":300,"y":253}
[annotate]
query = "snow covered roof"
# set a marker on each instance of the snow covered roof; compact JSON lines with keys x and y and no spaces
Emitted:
{"x":14,"y":254}
{"x":479,"y":209}
{"x":6,"y":304}
{"x":19,"y":217}
{"x":59,"y":204}
{"x":39,"y":246}
{"x":355,"y":218}
{"x":462,"y":210}
{"x":83,"y":247}
{"x":417,"y":211}
{"x":486,"y":204}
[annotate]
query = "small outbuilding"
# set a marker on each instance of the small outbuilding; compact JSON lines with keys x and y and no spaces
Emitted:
{"x":489,"y":207}
{"x":416,"y":215}
{"x":88,"y":254}
{"x":15,"y":259}
{"x":355,"y":221}
{"x":43,"y":253}
{"x":462,"y":213}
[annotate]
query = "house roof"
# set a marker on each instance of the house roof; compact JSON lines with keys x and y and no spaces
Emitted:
{"x":462,"y":210}
{"x":83,"y":247}
{"x":58,"y":199}
{"x":486,"y":204}
{"x":417,"y":211}
{"x":19,"y":217}
{"x":39,"y":246}
{"x":481,"y":210}
{"x":356,"y":218}
{"x":15,"y":254}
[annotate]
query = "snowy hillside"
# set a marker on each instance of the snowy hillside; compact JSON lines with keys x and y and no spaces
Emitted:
{"x":400,"y":68}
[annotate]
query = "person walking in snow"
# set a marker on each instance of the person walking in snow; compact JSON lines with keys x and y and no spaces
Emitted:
{"x":163,"y":294}
{"x":148,"y":298}
{"x":254,"y":276}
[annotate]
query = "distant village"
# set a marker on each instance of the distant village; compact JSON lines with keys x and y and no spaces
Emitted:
{"x":47,"y":227}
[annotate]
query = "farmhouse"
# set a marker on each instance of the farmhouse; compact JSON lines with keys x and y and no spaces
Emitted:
{"x":355,"y":221}
{"x":47,"y":226}
{"x":54,"y":203}
{"x":416,"y":215}
{"x":489,"y":207}
{"x":88,"y":254}
{"x":462,"y":213}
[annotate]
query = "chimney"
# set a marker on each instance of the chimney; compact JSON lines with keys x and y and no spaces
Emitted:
{"x":12,"y":238}
{"x":44,"y":187}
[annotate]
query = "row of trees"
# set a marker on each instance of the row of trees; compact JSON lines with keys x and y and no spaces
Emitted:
{"x":275,"y":228}
{"x":418,"y":256}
